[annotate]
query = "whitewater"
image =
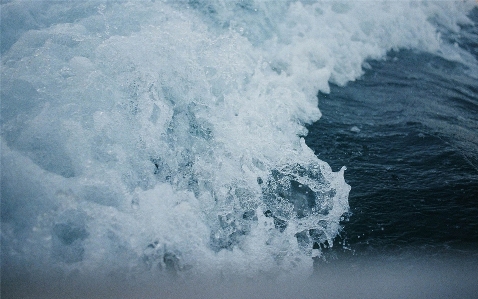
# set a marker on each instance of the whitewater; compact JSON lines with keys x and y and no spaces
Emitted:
{"x":150,"y":138}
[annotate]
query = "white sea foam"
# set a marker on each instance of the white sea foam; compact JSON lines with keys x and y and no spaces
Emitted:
{"x":155,"y":136}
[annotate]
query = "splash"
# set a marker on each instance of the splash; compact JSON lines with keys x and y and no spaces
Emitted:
{"x":156,"y":136}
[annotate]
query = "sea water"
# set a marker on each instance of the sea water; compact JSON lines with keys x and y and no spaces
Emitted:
{"x":150,"y":139}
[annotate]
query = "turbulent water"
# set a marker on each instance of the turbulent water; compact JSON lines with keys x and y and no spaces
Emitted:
{"x":142,"y":138}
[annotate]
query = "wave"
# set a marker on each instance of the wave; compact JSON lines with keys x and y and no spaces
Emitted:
{"x":168,"y":136}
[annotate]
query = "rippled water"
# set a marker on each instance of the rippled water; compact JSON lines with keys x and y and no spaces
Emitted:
{"x":407,"y":131}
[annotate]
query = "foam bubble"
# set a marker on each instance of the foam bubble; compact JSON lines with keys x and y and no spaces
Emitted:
{"x":149,"y":136}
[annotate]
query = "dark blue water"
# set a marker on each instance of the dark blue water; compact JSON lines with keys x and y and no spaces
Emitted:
{"x":408,"y":133}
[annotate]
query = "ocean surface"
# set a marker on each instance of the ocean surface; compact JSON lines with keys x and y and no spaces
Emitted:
{"x":407,"y":130}
{"x":259,"y":149}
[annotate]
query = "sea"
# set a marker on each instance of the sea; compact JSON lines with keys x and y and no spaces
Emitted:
{"x":239,"y":149}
